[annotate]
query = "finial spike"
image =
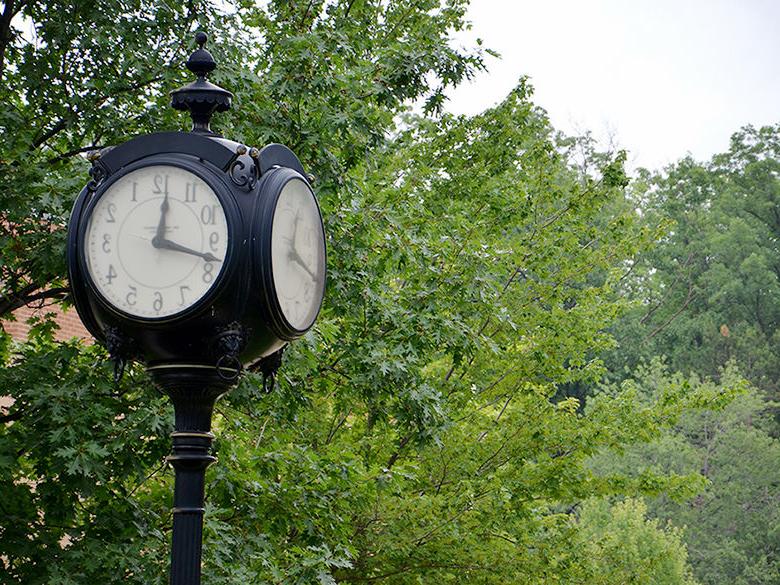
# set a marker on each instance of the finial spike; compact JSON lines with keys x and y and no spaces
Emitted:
{"x":201,"y":63}
{"x":201,"y":97}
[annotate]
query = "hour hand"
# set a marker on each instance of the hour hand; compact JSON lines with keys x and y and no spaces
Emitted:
{"x":158,"y":242}
{"x":160,"y":233}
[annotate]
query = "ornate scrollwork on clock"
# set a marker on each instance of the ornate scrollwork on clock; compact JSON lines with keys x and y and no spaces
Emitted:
{"x":97,"y":172}
{"x":242,"y":174}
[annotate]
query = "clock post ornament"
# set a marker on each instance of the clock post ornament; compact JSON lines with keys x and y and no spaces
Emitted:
{"x":196,"y":256}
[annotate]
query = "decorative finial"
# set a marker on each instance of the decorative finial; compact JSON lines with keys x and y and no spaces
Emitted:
{"x":201,"y":97}
{"x":201,"y":63}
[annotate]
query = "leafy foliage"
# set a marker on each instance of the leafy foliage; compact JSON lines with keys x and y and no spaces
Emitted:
{"x":622,"y":546}
{"x":70,"y":486}
{"x":731,"y":527}
{"x":707,"y":300}
{"x":710,"y":290}
{"x":416,"y":434}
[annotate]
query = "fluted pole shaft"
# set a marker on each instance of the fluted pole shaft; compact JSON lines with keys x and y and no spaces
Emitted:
{"x":190,"y":459}
{"x":193,"y":389}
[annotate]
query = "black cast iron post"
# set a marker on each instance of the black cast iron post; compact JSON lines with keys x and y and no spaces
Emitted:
{"x":193,"y":389}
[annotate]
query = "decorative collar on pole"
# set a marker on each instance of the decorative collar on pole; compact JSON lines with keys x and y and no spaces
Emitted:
{"x":201,"y":97}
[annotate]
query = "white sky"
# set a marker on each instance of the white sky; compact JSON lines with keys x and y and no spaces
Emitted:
{"x":663,"y":77}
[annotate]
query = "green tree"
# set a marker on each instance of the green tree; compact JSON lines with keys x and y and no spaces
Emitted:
{"x":731,"y":528}
{"x":412,"y":436}
{"x":621,"y":546}
{"x":709,"y":291}
{"x":708,"y":295}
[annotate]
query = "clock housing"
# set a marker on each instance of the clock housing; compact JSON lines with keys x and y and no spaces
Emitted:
{"x":290,"y":253}
{"x":229,"y":324}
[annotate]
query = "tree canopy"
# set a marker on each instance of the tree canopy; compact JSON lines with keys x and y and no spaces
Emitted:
{"x":711,"y":286}
{"x":479,"y":269}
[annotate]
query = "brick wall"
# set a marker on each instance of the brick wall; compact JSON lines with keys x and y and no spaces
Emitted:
{"x":69,"y":322}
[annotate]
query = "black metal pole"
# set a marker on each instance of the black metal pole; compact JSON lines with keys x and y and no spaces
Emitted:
{"x":190,"y":459}
{"x":193,"y":389}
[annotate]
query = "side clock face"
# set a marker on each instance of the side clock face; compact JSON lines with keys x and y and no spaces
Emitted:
{"x":155,"y":242}
{"x":298,"y":254}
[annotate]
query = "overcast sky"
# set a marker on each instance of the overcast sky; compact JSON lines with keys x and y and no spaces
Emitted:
{"x":664,"y":77}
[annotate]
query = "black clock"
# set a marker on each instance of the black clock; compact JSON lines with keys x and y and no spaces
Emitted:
{"x":197,"y":256}
{"x":188,"y":248}
{"x":290,"y":252}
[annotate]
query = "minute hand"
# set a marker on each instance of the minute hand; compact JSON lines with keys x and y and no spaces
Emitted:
{"x":297,"y":258}
{"x":169,"y":245}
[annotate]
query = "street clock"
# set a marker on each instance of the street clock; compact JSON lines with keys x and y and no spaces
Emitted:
{"x":197,"y":256}
{"x":188,"y":247}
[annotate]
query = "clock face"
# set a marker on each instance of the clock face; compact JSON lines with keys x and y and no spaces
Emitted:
{"x":298,"y":254}
{"x":156,"y":241}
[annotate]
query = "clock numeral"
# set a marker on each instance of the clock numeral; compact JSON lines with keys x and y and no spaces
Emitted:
{"x":208,"y":272}
{"x":106,"y":243}
{"x":181,"y":291}
{"x":110,"y":211}
{"x":132,"y":296}
{"x":213,"y":241}
{"x":189,"y":195}
{"x":160,"y":185}
{"x":111,"y":273}
{"x":158,"y":301}
{"x":208,"y":214}
{"x":134,"y":197}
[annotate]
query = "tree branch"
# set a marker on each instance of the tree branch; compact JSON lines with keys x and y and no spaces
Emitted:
{"x":657,"y":330}
{"x":349,"y":7}
{"x":660,"y":303}
{"x":334,"y":428}
{"x":11,"y":9}
{"x":305,"y":16}
{"x":12,"y":417}
{"x":18,"y":299}
{"x":394,"y":456}
{"x":61,"y":124}
{"x":12,"y":300}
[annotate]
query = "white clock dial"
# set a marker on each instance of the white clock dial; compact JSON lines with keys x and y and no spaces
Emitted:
{"x":156,"y":241}
{"x":298,"y":254}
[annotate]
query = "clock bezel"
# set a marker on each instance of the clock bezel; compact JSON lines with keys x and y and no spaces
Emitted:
{"x":229,"y":207}
{"x":270,"y":190}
